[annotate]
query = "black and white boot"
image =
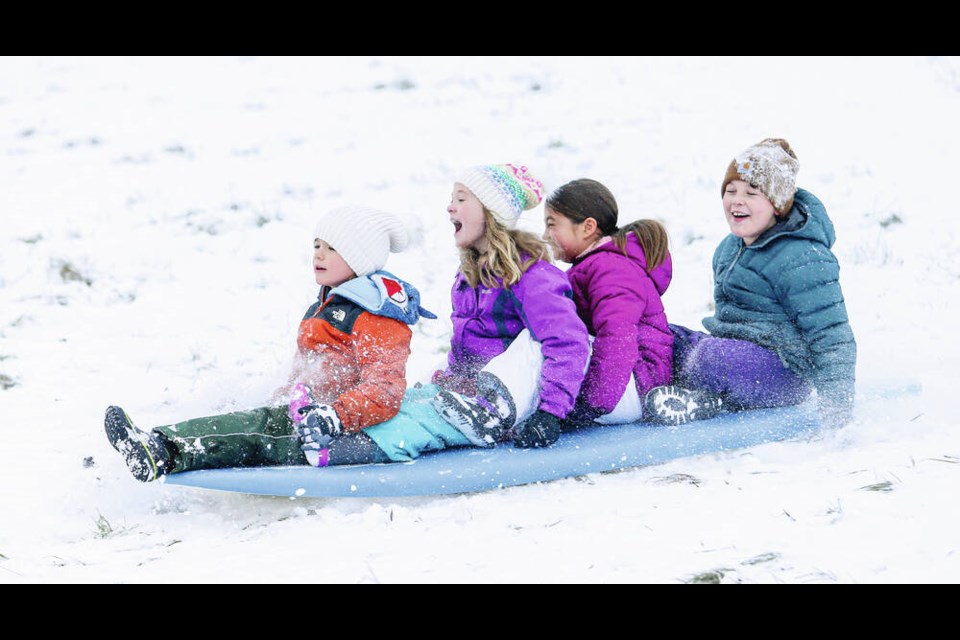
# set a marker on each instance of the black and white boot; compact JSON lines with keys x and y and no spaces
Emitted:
{"x":674,"y":405}
{"x":145,"y":455}
{"x":483,"y":419}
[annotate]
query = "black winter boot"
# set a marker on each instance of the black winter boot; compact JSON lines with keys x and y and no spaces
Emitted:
{"x":145,"y":455}
{"x":676,"y":405}
{"x":485,"y":418}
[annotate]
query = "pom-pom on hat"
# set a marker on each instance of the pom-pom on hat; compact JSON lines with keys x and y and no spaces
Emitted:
{"x":364,"y":237}
{"x":771,"y":166}
{"x":506,"y":190}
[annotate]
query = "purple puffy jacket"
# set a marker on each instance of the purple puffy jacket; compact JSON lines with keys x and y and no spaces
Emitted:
{"x":485,"y":322}
{"x":620,"y":304}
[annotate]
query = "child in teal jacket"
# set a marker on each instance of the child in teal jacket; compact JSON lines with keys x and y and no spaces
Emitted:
{"x":780,"y":329}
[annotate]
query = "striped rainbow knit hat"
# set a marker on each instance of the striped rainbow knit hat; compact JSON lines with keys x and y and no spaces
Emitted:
{"x":506,"y":190}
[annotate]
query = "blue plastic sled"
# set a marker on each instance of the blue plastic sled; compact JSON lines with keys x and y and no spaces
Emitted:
{"x":466,"y":470}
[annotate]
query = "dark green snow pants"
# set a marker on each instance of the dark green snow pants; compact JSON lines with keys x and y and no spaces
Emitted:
{"x":257,"y":438}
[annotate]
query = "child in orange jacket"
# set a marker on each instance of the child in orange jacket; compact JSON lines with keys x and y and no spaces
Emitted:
{"x":353,"y":346}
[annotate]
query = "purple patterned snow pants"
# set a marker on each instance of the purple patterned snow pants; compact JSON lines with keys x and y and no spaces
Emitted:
{"x":747,"y":375}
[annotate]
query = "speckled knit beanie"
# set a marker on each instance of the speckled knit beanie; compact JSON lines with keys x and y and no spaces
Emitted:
{"x":771,"y":166}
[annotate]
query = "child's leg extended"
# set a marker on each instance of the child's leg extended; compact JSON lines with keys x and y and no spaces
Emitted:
{"x":745,"y":374}
{"x":256,"y":438}
{"x":417,"y":429}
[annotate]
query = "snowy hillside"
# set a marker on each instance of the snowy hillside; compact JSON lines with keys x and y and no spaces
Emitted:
{"x":155,"y":253}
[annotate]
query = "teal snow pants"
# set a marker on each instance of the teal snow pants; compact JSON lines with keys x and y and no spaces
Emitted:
{"x":418,"y":428}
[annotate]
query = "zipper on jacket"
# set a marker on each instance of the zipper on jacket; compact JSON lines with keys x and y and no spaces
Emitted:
{"x":733,"y":263}
{"x":324,"y":298}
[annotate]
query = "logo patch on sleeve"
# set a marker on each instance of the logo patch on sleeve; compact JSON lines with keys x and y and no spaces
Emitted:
{"x":393,"y":291}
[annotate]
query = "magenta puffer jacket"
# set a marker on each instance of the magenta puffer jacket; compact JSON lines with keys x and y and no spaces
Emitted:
{"x":485,"y":322}
{"x":620,"y":304}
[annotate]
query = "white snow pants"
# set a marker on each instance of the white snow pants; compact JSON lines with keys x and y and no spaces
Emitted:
{"x":518,"y":368}
{"x":629,"y":409}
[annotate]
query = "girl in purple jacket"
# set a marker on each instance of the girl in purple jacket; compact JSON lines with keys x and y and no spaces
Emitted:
{"x":518,"y":350}
{"x":618,"y":276}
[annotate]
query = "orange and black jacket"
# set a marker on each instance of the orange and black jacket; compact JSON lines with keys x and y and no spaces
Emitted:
{"x":354,"y":343}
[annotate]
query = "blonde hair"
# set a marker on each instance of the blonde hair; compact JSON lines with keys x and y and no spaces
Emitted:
{"x":509,"y":254}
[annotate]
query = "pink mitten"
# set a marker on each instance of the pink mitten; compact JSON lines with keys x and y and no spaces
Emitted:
{"x":299,"y":398}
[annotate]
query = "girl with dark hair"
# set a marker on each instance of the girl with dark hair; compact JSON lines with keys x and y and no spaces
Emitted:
{"x":618,"y":275}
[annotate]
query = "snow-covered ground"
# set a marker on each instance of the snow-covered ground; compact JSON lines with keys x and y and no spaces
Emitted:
{"x":157,"y":218}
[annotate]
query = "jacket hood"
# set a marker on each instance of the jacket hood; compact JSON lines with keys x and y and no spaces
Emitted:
{"x":806,"y":219}
{"x":661,"y":275}
{"x":384,"y":294}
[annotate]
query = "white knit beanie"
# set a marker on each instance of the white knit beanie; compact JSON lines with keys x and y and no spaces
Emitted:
{"x":506,"y":190}
{"x":364,"y":237}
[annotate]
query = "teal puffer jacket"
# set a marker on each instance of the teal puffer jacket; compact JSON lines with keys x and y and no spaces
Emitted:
{"x":783,"y":293}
